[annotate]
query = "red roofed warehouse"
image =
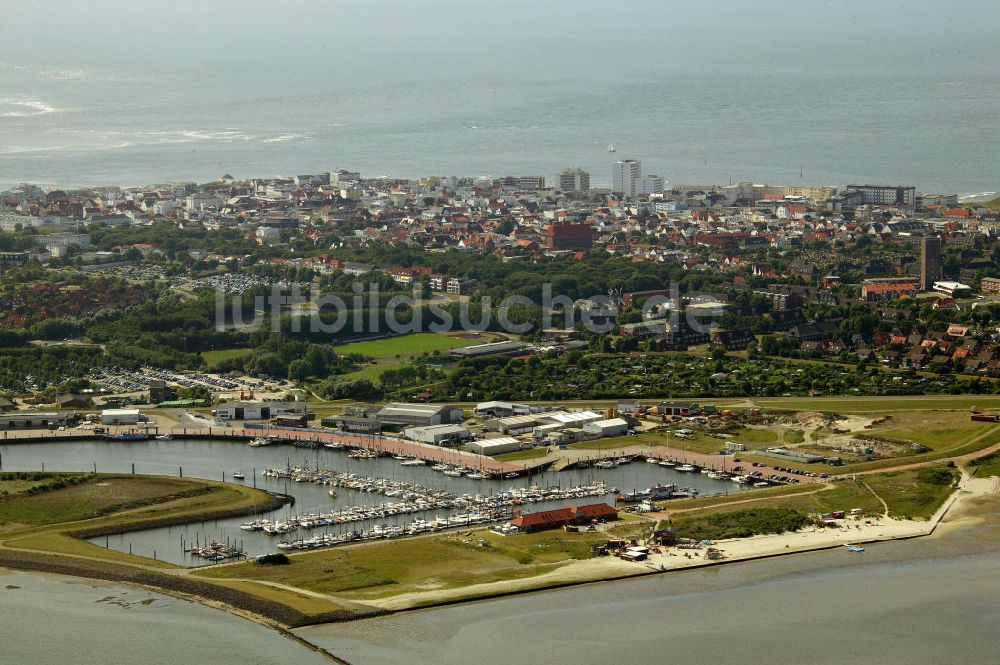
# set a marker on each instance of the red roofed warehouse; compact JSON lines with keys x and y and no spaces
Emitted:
{"x":554,"y":519}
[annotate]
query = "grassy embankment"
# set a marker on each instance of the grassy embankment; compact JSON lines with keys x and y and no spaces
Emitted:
{"x":987,"y":466}
{"x":57,"y":508}
{"x":379,"y":570}
{"x":911,"y":493}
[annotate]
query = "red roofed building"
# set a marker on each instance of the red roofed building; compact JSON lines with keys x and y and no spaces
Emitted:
{"x":560,"y":517}
{"x":877,"y":289}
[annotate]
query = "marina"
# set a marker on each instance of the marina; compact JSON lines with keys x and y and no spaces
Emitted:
{"x":215,"y":459}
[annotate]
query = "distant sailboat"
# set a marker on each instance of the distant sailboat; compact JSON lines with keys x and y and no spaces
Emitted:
{"x":611,"y":147}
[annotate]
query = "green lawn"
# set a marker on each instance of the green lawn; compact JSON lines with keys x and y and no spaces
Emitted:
{"x":212,"y":358}
{"x":986,"y":466}
{"x":406,"y":345}
{"x":92,"y":498}
{"x":914,"y":493}
{"x":384,"y":569}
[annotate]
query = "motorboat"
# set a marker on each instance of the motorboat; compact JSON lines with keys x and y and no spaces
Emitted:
{"x":164,"y":437}
{"x":238,"y":475}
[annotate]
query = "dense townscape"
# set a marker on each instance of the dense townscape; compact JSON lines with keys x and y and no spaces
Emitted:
{"x":756,"y":279}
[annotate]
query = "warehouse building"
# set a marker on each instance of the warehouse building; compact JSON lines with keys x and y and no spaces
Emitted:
{"x":560,"y":517}
{"x":264,"y":410}
{"x":121,"y":416}
{"x":609,"y":427}
{"x":34,"y":420}
{"x":401,"y":414}
{"x":512,"y":424}
{"x":569,"y":418}
{"x":439,"y":435}
{"x":506,"y":348}
{"x":497,"y":446}
{"x":497,"y":409}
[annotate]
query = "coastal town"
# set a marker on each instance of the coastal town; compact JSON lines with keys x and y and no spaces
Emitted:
{"x":691,"y":375}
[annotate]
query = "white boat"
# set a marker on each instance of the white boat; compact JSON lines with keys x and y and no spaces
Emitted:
{"x":685,"y":467}
{"x":164,"y":437}
{"x":652,"y":460}
{"x":413,"y":462}
{"x":611,"y":147}
{"x":476,"y":475}
{"x":238,"y":475}
{"x":332,"y":493}
{"x":606,"y":464}
{"x":454,"y":473}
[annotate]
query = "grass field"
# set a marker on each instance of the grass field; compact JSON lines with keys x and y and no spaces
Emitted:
{"x":393,"y":352}
{"x":405,"y":345}
{"x":436,"y":562}
{"x":869,"y":405}
{"x":620,"y":442}
{"x":912,"y":493}
{"x":986,"y":466}
{"x":214,"y":357}
{"x":93,"y":498}
{"x":934,"y":429}
{"x":909,"y":493}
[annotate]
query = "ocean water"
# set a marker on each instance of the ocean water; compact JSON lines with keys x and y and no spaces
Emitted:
{"x":56,"y":619}
{"x":822,"y":609}
{"x":700,"y":92}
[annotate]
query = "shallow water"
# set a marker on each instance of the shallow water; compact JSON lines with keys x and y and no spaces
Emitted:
{"x":60,"y":620}
{"x":877,"y":607}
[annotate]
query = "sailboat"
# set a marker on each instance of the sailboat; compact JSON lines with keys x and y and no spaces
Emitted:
{"x":611,"y":147}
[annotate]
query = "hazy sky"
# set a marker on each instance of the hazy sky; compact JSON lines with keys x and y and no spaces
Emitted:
{"x":734,"y":33}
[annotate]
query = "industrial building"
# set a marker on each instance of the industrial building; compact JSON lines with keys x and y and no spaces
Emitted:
{"x":351,"y":423}
{"x":569,"y":418}
{"x":399,"y":414}
{"x":506,"y":348}
{"x":604,"y":428}
{"x":121,"y":416}
{"x":497,"y":446}
{"x":439,"y":435}
{"x":34,"y":420}
{"x":264,"y":410}
{"x":495,"y":409}
{"x":512,"y":424}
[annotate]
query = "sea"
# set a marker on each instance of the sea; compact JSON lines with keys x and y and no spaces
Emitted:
{"x":775,"y":91}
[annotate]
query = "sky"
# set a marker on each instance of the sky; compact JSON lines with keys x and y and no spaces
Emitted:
{"x":729,"y":33}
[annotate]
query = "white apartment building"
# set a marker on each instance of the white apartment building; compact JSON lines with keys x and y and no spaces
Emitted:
{"x":626,"y":174}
